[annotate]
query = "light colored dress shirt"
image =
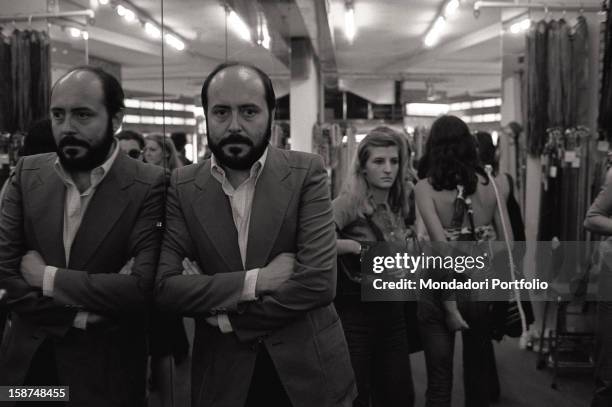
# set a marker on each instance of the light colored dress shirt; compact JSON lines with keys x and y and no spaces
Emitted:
{"x":241,"y":202}
{"x":75,"y":206}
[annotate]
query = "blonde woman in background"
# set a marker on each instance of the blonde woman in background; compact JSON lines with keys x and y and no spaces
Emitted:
{"x":159,"y":150}
{"x":372,"y":206}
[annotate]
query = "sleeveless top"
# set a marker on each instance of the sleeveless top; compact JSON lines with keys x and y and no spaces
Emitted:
{"x":457,"y":231}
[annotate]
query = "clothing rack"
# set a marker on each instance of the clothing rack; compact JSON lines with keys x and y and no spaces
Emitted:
{"x":88,"y":13}
{"x":44,"y":16}
{"x":540,"y":6}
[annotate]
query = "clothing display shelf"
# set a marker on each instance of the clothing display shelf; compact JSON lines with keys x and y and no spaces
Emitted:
{"x":538,"y":6}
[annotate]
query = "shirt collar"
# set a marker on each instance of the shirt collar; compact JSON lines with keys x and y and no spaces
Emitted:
{"x":256,"y":168}
{"x":97,"y":174}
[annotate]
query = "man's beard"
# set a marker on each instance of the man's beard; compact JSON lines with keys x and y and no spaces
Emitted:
{"x":239,"y":163}
{"x":93,"y":157}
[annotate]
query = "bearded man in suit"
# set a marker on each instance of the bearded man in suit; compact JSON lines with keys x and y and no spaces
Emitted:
{"x":258,"y":221}
{"x":79,"y":244}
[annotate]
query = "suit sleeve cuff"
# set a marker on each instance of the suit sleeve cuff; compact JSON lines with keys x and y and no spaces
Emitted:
{"x":250,"y":282}
{"x":49,"y":280}
{"x":80,"y":320}
{"x":224,"y":323}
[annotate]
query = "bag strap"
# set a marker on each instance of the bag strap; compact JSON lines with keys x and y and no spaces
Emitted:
{"x":463,"y":205}
{"x":517,"y":293}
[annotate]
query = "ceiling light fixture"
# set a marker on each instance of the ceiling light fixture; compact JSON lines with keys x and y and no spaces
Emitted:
{"x":439,"y":25}
{"x":520,"y":26}
{"x":174,"y":42}
{"x":451,"y":8}
{"x":120,"y":10}
{"x":263,"y":34}
{"x":239,"y":26}
{"x":103,"y":2}
{"x":74,"y":32}
{"x":152,"y":30}
{"x":349,"y":21}
{"x":129,"y":16}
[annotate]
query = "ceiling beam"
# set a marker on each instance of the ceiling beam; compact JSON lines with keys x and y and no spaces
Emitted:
{"x":427,"y":55}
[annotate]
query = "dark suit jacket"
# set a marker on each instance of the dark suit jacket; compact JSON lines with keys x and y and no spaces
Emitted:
{"x":298,"y":324}
{"x":106,"y":367}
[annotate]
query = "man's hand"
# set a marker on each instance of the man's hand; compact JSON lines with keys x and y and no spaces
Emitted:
{"x":127,"y":269}
{"x":275,"y":273}
{"x":190,"y":268}
{"x":33,"y":268}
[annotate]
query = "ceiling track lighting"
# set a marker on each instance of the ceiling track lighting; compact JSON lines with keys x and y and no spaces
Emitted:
{"x":131,"y":15}
{"x":436,"y":30}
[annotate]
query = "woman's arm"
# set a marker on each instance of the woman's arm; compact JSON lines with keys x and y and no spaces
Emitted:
{"x":348,"y":246}
{"x":598,"y":216}
{"x":427,"y":210}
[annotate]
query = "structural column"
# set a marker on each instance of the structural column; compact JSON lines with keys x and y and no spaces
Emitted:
{"x":305,"y":98}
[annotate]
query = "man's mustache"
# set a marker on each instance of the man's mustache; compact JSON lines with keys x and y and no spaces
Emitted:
{"x":71,"y":141}
{"x":235,"y":138}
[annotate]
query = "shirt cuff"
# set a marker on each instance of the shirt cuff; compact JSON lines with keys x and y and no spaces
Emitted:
{"x":48,"y":280}
{"x":224,"y":323}
{"x":80,"y":320}
{"x":250,"y":282}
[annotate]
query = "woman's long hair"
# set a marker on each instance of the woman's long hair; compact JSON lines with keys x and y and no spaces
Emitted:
{"x":451,"y":156}
{"x":171,"y":158}
{"x":355,"y":188}
{"x":487,"y":151}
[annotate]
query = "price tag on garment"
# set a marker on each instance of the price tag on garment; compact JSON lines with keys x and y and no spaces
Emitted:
{"x":570,"y":156}
{"x":603,"y":146}
{"x":576,"y":163}
{"x":552,"y":172}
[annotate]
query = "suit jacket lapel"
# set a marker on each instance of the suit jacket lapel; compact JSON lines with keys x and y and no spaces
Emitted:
{"x":46,"y":201}
{"x":272,"y":195}
{"x":212,"y":208}
{"x":106,"y":206}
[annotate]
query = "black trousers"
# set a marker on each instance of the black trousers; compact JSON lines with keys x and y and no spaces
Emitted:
{"x":42,"y":372}
{"x":481,"y":384}
{"x":266,"y":388}
{"x":380,"y":355}
{"x":603,"y":357}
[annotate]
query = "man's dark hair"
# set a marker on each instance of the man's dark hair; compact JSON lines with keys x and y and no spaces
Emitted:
{"x":179,"y":139}
{"x":113,"y":92}
{"x":132,"y":135}
{"x":265,"y":80}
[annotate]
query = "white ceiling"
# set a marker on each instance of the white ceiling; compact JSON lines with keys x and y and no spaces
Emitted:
{"x":388,"y":45}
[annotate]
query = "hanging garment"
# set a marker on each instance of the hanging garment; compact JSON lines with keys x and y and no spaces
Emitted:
{"x":604,"y":120}
{"x":537,"y":87}
{"x":558,"y":67}
{"x":578,"y":107}
{"x":6,"y":84}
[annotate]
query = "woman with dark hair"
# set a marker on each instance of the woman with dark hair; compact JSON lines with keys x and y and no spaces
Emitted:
{"x":372,"y":206}
{"x":456,"y":201}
